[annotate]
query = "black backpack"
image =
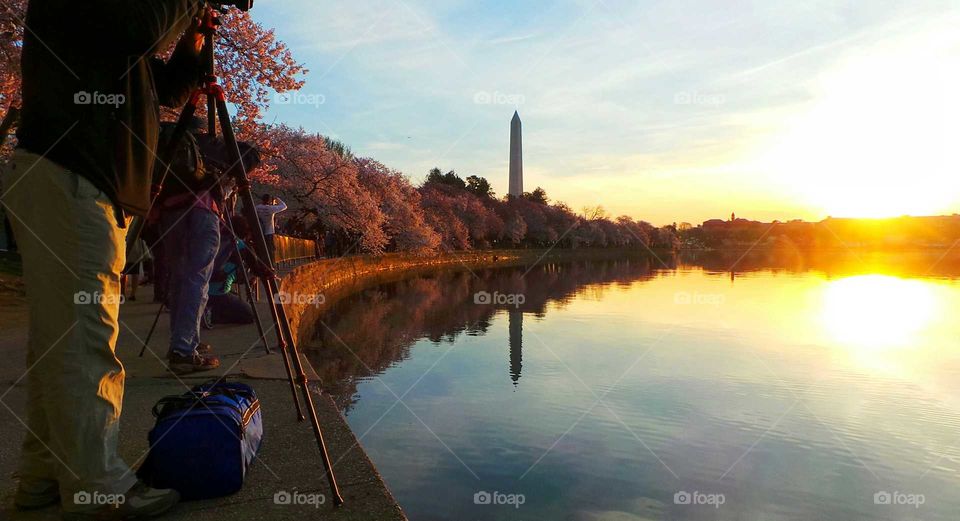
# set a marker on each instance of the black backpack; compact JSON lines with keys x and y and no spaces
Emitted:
{"x":186,"y":173}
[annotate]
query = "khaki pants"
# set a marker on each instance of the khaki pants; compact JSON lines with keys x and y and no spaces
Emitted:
{"x":73,"y":251}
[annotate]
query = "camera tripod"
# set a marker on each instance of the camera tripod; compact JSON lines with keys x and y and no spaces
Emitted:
{"x":216,"y":104}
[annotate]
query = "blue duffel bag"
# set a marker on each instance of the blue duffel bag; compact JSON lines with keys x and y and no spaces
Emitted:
{"x":204,"y":440}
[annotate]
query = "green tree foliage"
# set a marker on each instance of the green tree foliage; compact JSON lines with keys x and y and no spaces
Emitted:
{"x":449,"y":179}
{"x":538,"y":196}
{"x":480,"y":187}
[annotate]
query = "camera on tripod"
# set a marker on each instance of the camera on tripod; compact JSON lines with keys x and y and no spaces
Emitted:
{"x":243,"y":5}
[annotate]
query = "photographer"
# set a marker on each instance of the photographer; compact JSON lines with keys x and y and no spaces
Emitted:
{"x":267,"y":210}
{"x":189,"y":208}
{"x":87,"y":142}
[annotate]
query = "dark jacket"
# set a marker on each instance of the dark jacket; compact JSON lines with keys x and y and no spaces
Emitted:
{"x":79,"y":58}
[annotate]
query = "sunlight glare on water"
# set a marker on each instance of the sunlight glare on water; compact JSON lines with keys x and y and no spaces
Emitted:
{"x":876,"y":312}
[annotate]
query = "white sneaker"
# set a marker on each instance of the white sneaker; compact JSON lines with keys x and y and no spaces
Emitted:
{"x":140,"y":502}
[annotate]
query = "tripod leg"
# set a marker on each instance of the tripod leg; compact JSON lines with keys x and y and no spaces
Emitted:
{"x":274,"y":289}
{"x":152,"y":328}
{"x":256,"y":317}
{"x":257,"y":239}
{"x":273,"y":292}
{"x":281,"y":340}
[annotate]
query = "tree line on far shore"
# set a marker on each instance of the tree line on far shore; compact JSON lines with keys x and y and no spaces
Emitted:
{"x":918,"y":232}
{"x":361,"y":205}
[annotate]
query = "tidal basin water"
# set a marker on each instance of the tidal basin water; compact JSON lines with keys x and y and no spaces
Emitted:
{"x":631,"y":389}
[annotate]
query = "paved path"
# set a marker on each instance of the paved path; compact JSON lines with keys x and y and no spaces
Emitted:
{"x":288,"y":461}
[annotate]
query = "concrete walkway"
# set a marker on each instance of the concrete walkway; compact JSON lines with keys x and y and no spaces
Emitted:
{"x":288,"y":461}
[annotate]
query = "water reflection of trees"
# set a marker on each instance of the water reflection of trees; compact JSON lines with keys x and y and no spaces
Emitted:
{"x":366,"y":333}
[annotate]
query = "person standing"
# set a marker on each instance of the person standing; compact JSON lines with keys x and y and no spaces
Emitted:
{"x":86,"y":147}
{"x":189,"y":207}
{"x":267,"y":210}
{"x":138,"y":253}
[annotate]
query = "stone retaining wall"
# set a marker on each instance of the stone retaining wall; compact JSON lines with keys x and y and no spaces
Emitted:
{"x":311,"y":288}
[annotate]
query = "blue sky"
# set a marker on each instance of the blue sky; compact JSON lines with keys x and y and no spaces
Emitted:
{"x":667,"y":111}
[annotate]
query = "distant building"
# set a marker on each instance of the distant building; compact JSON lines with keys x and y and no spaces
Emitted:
{"x":714,"y":223}
{"x":516,"y":157}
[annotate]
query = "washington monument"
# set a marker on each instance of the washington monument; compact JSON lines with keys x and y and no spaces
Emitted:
{"x":516,"y":157}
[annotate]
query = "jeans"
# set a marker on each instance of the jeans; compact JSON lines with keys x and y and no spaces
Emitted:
{"x":191,"y":241}
{"x":73,"y":250}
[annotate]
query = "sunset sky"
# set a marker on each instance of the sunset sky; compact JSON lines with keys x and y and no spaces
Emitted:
{"x":666,"y":111}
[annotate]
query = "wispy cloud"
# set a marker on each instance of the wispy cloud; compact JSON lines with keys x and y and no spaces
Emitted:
{"x":614,"y":94}
{"x":510,"y":39}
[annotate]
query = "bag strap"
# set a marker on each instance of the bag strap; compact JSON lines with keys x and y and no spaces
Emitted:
{"x":189,"y":401}
{"x":203,"y":394}
{"x":220,"y":386}
{"x":174,"y":402}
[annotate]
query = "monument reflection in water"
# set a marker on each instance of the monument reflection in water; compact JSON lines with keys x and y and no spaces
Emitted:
{"x":376,"y":328}
{"x":794,"y":388}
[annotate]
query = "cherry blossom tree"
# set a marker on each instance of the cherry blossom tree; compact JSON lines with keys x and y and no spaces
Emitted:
{"x":539,"y":220}
{"x":251,"y":64}
{"x":440,"y":211}
{"x":476,"y":214}
{"x":515,"y":229}
{"x":666,"y":238}
{"x":399,"y":201}
{"x":319,"y":179}
{"x":11,"y":40}
{"x":589,"y":234}
{"x":635,"y":233}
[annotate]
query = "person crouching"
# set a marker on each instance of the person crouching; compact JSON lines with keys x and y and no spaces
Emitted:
{"x":223,"y":306}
